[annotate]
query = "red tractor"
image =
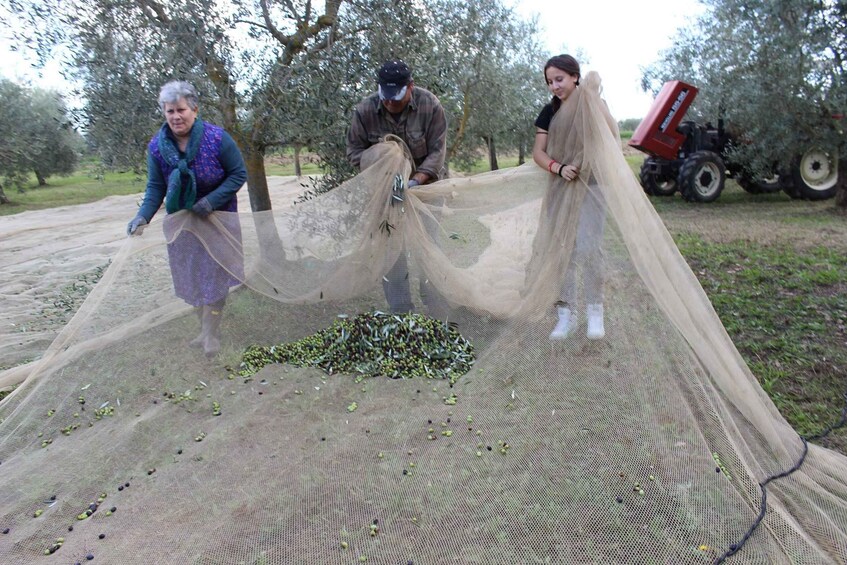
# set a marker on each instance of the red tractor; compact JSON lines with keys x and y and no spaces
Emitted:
{"x":693,"y":158}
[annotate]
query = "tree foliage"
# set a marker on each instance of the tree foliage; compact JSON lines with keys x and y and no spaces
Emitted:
{"x":629,"y":124}
{"x":37,"y":135}
{"x":287,"y":73}
{"x":775,"y":69}
{"x":492,"y":63}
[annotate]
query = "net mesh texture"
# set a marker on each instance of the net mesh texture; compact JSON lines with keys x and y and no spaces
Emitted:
{"x":646,"y":446}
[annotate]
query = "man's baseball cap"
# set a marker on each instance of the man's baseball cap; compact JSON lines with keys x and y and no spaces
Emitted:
{"x":394,"y":77}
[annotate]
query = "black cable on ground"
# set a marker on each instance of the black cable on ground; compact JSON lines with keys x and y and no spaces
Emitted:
{"x":763,"y":505}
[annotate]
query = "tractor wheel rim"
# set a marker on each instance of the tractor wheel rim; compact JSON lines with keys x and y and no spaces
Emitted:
{"x":819,"y":169}
{"x":770,"y":181}
{"x":708,"y":179}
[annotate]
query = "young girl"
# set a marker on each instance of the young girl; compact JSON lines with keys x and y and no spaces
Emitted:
{"x":566,"y":161}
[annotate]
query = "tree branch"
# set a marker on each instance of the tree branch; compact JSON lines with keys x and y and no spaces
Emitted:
{"x":251,"y":23}
{"x":158,"y":11}
{"x":293,"y":11}
{"x":296,"y":42}
{"x":275,"y":33}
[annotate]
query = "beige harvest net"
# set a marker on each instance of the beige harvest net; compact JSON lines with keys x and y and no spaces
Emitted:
{"x":648,"y":446}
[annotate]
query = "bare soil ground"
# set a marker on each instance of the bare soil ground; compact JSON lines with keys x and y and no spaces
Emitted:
{"x":51,"y":258}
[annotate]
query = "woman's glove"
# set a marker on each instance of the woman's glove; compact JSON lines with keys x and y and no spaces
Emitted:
{"x":202,"y":208}
{"x":412,"y":183}
{"x":136,"y":225}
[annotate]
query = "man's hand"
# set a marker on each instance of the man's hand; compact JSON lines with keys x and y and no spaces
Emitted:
{"x":202,"y":208}
{"x":136,"y":225}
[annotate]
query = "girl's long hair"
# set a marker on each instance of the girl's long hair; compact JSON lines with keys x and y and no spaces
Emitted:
{"x":564,"y":63}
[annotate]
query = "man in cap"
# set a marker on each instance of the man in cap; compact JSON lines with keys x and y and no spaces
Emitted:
{"x":416,"y":116}
{"x":411,"y":113}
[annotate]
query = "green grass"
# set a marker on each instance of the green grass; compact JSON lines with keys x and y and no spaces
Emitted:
{"x":282,"y":164}
{"x":786,"y":311}
{"x":503,"y":162}
{"x":87,"y":185}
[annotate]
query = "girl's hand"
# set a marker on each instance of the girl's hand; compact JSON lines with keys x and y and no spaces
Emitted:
{"x":569,"y":172}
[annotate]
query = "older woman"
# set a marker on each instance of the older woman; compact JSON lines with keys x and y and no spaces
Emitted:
{"x":195,"y":166}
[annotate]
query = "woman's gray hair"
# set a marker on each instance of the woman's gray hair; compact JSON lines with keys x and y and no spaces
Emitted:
{"x":176,"y":89}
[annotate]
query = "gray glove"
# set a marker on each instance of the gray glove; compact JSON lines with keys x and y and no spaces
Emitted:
{"x":202,"y":208}
{"x":412,"y":183}
{"x":136,"y":225}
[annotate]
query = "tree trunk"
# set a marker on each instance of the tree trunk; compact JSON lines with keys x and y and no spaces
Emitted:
{"x":41,"y":180}
{"x":270,"y":244}
{"x":841,"y":193}
{"x":492,"y":153}
{"x":3,"y":198}
{"x":460,"y":131}
{"x":297,"y":170}
{"x":257,"y":181}
{"x":521,"y":153}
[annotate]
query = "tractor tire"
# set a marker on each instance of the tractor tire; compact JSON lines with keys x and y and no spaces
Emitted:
{"x":774,"y":183}
{"x":788,"y":186}
{"x":702,"y":177}
{"x":656,"y":185}
{"x":815,"y":174}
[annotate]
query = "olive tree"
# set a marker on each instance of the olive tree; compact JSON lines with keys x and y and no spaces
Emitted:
{"x":273,"y":73}
{"x":235,"y":53}
{"x":484,"y":51}
{"x":59,"y":144}
{"x":13,"y":104}
{"x":775,"y":70}
{"x":37,"y":136}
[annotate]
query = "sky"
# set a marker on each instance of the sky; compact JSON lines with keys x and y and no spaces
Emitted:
{"x":618,"y":37}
